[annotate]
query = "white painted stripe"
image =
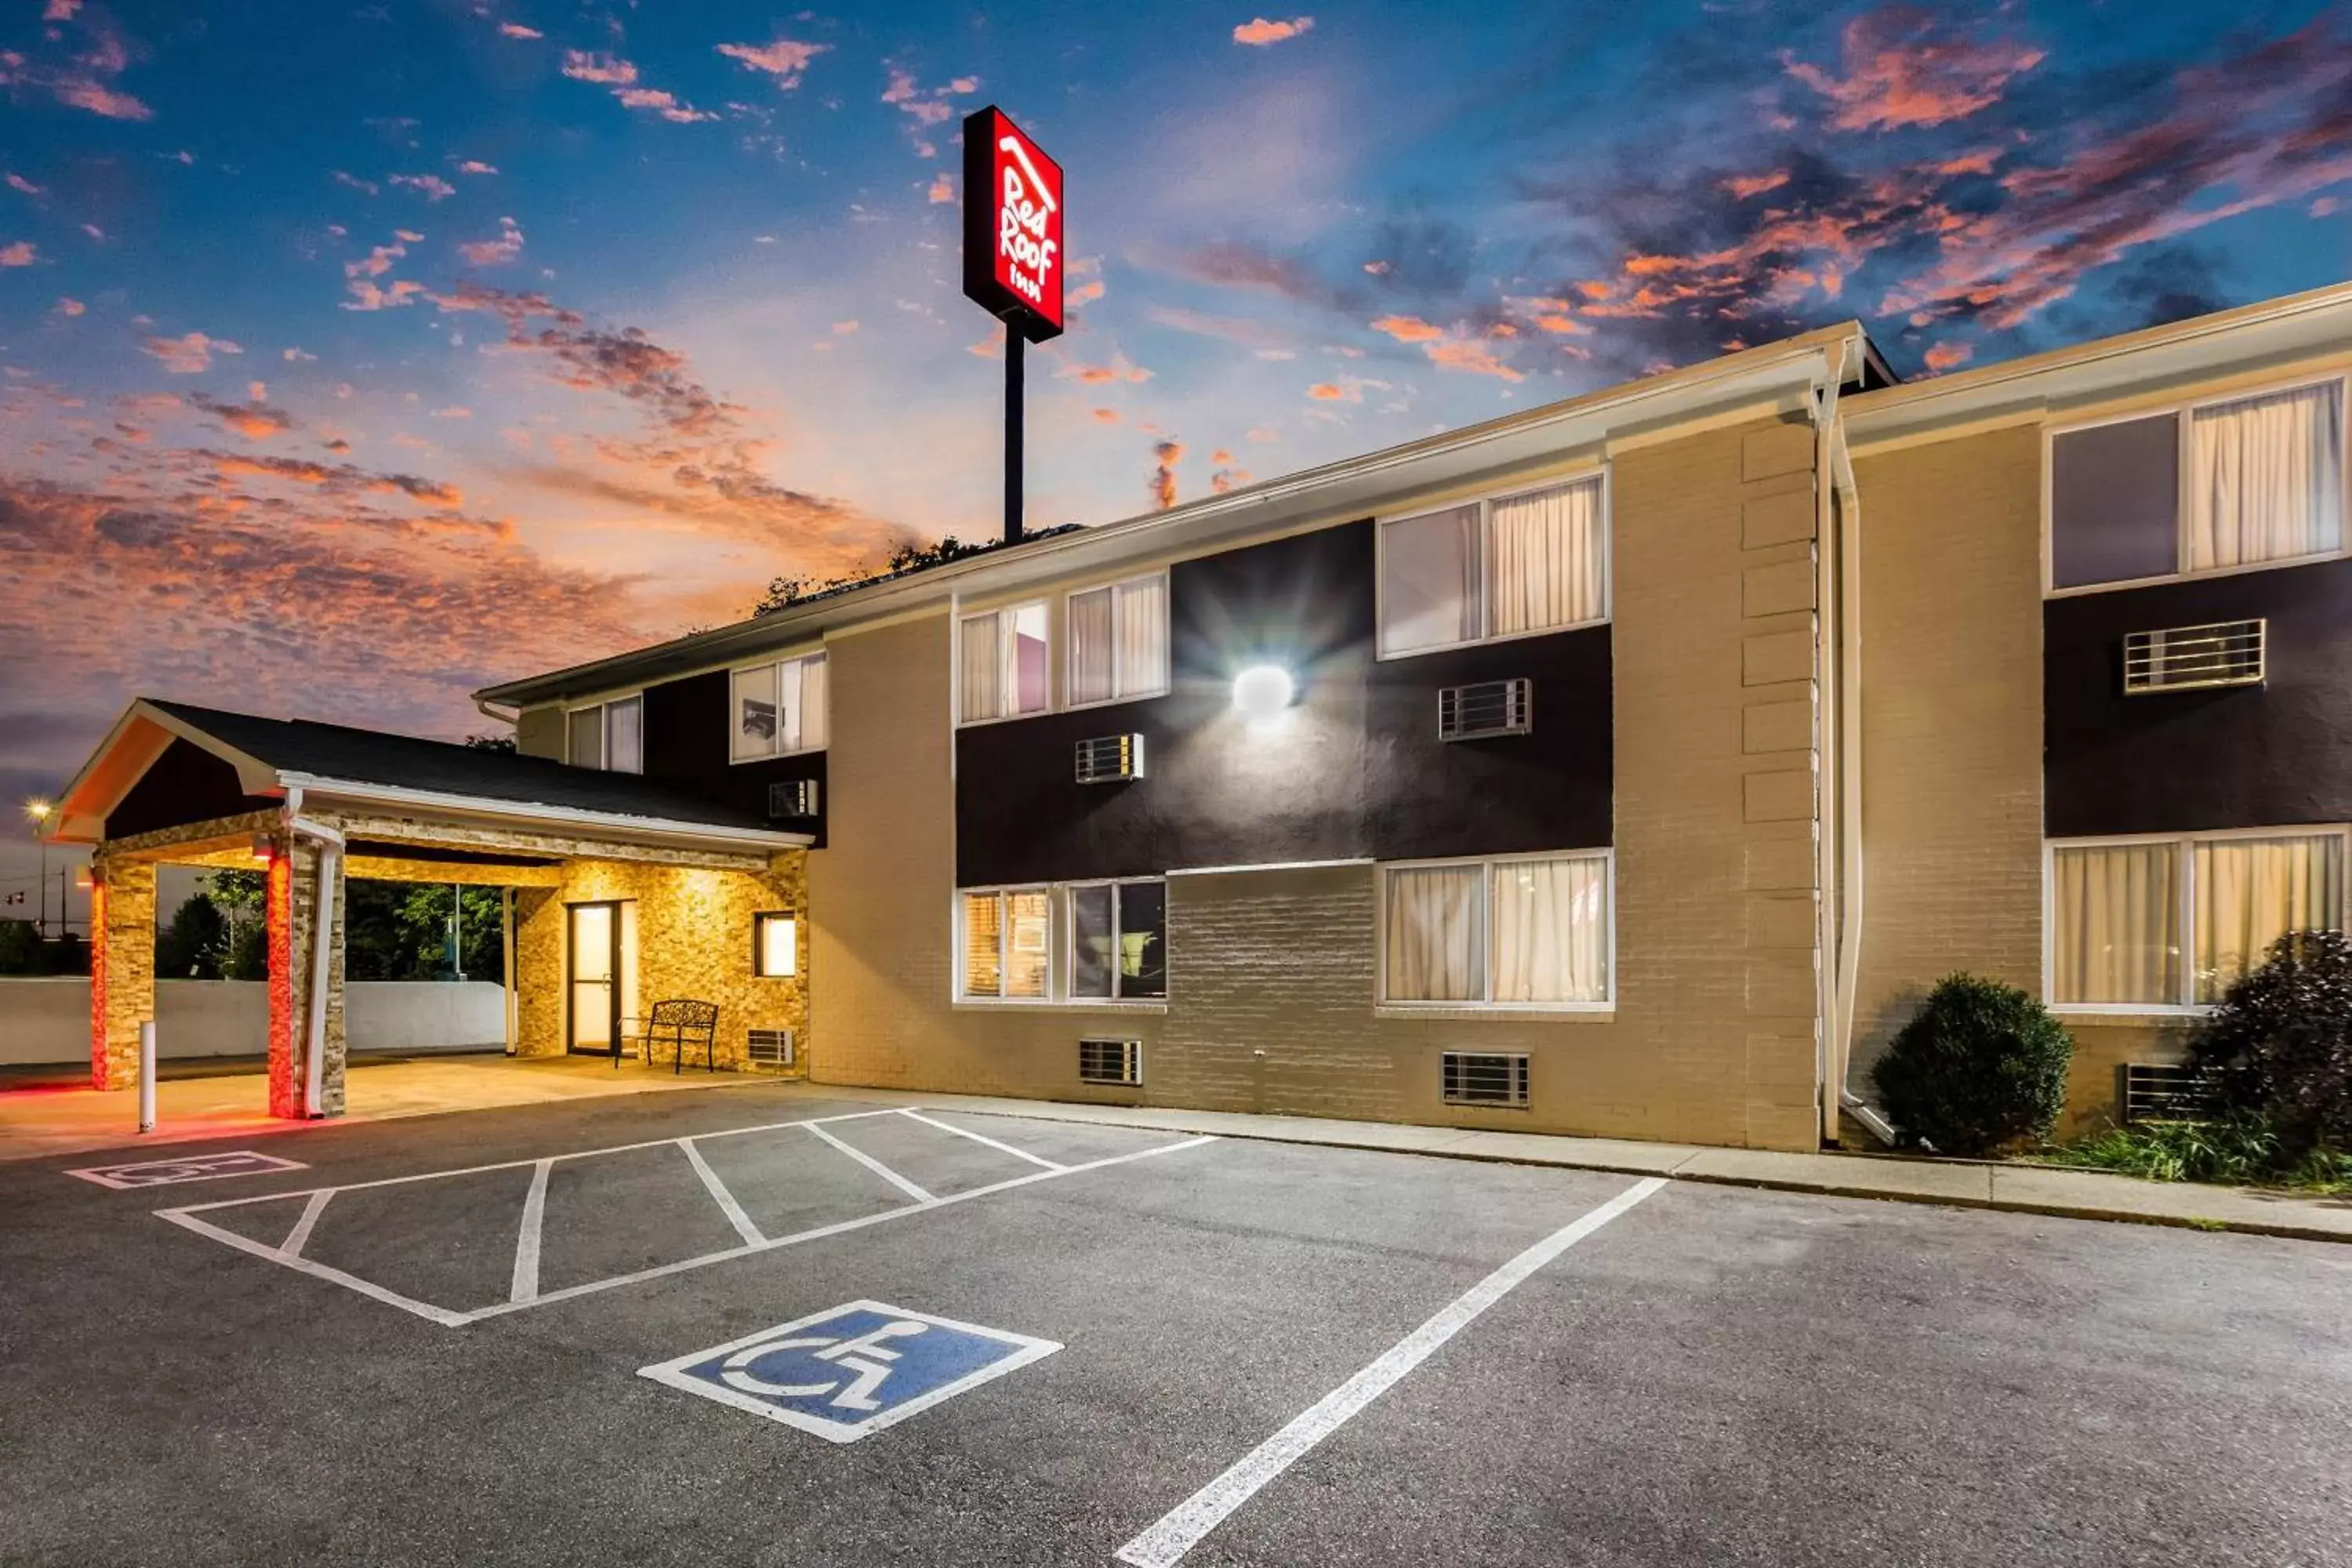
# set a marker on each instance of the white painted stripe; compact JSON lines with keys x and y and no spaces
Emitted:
{"x":299,"y":1237}
{"x":875,"y":1165}
{"x":425,"y":1309}
{"x":983,"y":1138}
{"x":720,"y":1195}
{"x":819,"y":1234}
{"x":1165,"y":1543}
{"x":534,"y":1212}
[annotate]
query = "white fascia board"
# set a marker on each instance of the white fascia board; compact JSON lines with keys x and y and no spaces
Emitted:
{"x":137,"y":739}
{"x":649,"y":829}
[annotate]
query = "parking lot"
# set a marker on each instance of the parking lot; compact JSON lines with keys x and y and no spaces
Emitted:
{"x":774,"y":1327}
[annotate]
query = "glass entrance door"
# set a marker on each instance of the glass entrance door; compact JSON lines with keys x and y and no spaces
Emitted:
{"x":594,"y":942}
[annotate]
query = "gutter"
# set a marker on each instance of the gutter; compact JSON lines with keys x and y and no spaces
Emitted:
{"x":323,"y":945}
{"x":664,"y":829}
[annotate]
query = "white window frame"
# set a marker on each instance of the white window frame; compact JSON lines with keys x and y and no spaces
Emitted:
{"x":1068,"y":945}
{"x":2185,"y":891}
{"x":1060,"y":935}
{"x":2184,"y":411}
{"x":1167,"y":649}
{"x":1487,"y":864}
{"x":955,"y":657}
{"x":1485,"y":501}
{"x":603,"y":762}
{"x":735,"y":720}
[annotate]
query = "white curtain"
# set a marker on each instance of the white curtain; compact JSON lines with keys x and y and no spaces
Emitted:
{"x":624,"y":735}
{"x":585,"y":748}
{"x":1090,"y":645}
{"x":982,"y":685}
{"x":983,"y":944}
{"x":1142,"y":636}
{"x":1551,"y":929}
{"x":789,"y":710}
{"x":1436,"y":946}
{"x":817,"y":709}
{"x":1429,"y":581}
{"x":1548,"y":559}
{"x":2249,"y":892}
{"x":2266,"y":478}
{"x":2117,"y":923}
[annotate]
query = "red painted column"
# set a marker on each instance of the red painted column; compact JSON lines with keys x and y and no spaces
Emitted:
{"x":99,"y":1075}
{"x":285,"y":1026}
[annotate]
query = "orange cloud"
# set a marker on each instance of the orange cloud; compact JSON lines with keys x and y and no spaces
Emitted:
{"x":1332,"y":392}
{"x":1941,"y":357}
{"x":1472,"y":357}
{"x":20,"y":254}
{"x":191,"y":354}
{"x":942,"y":188}
{"x":1904,"y":68}
{"x":1106,"y":415}
{"x":1408,"y":329}
{"x":1103,"y":375}
{"x":1260,"y":32}
{"x":517,"y":30}
{"x":70,"y":307}
{"x":784,"y":61}
{"x":1743,"y":187}
{"x":1167,"y":453}
{"x":495,"y":252}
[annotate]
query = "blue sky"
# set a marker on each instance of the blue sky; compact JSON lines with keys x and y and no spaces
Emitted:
{"x":356,"y":355}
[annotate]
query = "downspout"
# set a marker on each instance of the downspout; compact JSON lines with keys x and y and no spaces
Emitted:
{"x":323,"y":945}
{"x":1849,"y":971}
{"x":1829,"y":1032}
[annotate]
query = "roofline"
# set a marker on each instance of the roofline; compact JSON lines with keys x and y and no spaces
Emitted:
{"x":1896,"y":410}
{"x":1650,"y":397}
{"x":253,"y":776}
{"x":314,"y":788}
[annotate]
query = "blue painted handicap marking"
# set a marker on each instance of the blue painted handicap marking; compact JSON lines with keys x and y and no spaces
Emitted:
{"x":853,"y":1370}
{"x":192,"y":1168}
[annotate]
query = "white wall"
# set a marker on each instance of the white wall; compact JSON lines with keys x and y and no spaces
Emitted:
{"x":48,"y":1020}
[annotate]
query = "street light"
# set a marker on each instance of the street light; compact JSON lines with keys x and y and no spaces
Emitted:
{"x":39,"y":812}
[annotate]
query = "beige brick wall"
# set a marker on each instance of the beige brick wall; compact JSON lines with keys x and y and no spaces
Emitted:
{"x":1271,"y":973}
{"x":539,"y":732}
{"x":123,"y":966}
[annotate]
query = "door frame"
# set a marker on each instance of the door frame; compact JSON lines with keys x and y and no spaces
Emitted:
{"x":572,"y":1045}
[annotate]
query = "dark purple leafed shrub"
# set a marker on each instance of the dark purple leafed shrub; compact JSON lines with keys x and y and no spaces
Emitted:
{"x":2279,"y":1043}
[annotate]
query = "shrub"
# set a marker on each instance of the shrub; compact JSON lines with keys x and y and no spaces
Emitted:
{"x":1981,"y":1066}
{"x":2279,"y":1044}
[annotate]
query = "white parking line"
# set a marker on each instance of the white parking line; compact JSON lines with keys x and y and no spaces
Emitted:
{"x":1165,"y":1543}
{"x":299,"y":1237}
{"x":534,"y":1217}
{"x":720,"y":1195}
{"x":983,"y":1138}
{"x":875,"y":1165}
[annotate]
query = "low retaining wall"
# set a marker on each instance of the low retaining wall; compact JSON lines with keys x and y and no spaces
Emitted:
{"x":48,"y":1020}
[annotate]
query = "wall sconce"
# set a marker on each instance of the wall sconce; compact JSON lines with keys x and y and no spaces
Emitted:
{"x":1263,"y":690}
{"x":264,"y":848}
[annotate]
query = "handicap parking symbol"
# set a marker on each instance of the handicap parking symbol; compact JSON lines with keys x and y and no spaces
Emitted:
{"x":853,"y":1370}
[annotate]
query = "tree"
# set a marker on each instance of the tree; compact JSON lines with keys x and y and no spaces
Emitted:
{"x":20,"y":949}
{"x":490,"y":742}
{"x":1980,"y":1067}
{"x":242,"y":899}
{"x":908,"y":556}
{"x":190,"y":947}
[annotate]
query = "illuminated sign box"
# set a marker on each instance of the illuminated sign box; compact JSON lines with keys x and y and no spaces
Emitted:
{"x":1013,"y":256}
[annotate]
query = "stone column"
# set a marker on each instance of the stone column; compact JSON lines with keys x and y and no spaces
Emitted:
{"x":122,"y":968}
{"x":294,"y":907}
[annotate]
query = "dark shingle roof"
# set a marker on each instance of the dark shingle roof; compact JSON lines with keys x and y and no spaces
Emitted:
{"x":405,"y":762}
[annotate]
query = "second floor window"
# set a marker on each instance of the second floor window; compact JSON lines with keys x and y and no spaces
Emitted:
{"x":1510,"y":566}
{"x":1118,"y":641}
{"x":1005,"y":664}
{"x":610,"y":735}
{"x":779,"y":709}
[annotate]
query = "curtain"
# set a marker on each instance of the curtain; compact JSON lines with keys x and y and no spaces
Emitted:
{"x":2266,"y":478}
{"x":1028,"y":928}
{"x":1548,"y":559}
{"x":1436,"y":950}
{"x":2117,"y":924}
{"x":2249,"y":892}
{"x":982,"y":686}
{"x":624,"y":737}
{"x":584,"y":746}
{"x":816,"y":716}
{"x":791,"y":713}
{"x":1142,"y":636}
{"x":1551,"y":929}
{"x":1090,"y":645}
{"x":1093,"y":934}
{"x":1429,"y":581}
{"x":983,"y":944}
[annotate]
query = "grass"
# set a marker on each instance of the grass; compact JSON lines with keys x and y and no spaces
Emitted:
{"x":2232,"y":1150}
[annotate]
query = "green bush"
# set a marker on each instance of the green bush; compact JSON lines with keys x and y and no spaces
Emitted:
{"x":2279,"y":1044}
{"x":1982,"y":1066}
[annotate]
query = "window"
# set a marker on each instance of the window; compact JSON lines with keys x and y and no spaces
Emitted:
{"x":1118,"y":641}
{"x":1118,"y":941}
{"x":1529,"y":931}
{"x":775,"y":945}
{"x":1508,"y":566}
{"x":1003,"y":664}
{"x":2201,"y":487}
{"x":1113,"y":946}
{"x":610,"y":735}
{"x":780,"y":708}
{"x":2144,"y":924}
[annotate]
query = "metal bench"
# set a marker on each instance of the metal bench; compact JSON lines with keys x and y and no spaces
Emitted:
{"x":683,"y":1025}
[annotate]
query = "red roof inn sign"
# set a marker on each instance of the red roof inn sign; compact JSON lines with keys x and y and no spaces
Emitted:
{"x":1013,"y":255}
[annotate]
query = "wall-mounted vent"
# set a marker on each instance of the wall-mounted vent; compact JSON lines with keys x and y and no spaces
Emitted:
{"x":1487,"y":708}
{"x":770,"y":1048}
{"x":2187,"y":658}
{"x":791,"y":798}
{"x":1111,"y":1061}
{"x":1111,"y":759}
{"x":1477,"y":1078}
{"x":2152,"y":1091}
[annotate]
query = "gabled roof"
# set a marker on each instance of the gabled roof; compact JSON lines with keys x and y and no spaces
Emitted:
{"x":393,"y":772}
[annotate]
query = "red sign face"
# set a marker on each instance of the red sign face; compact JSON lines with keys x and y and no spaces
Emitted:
{"x":1012,"y":225}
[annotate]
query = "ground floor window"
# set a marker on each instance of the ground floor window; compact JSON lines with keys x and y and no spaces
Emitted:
{"x":1528,"y":930}
{"x":1085,"y":942}
{"x":2170,"y":922}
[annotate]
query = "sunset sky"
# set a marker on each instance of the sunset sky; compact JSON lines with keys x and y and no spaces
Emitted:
{"x":356,"y":355}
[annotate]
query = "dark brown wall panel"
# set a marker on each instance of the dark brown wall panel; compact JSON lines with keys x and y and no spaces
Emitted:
{"x":687,"y":729}
{"x":186,"y":784}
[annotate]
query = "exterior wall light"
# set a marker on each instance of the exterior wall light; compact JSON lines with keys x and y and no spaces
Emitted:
{"x":1263,"y":690}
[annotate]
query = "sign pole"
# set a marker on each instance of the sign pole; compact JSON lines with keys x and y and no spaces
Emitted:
{"x":1013,"y":400}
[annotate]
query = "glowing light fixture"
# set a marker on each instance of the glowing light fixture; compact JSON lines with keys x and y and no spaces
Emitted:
{"x":264,"y":848}
{"x":1263,"y":690}
{"x":39,"y":810}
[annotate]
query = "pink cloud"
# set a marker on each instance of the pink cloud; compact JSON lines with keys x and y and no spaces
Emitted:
{"x":495,"y":252}
{"x":433,"y":187}
{"x":1408,"y":329}
{"x":20,"y":254}
{"x":596,"y":66}
{"x":18,"y":182}
{"x":517,"y":30}
{"x":1941,"y":357}
{"x":1103,"y":375}
{"x":191,"y":354}
{"x":1260,"y":32}
{"x":1904,"y":67}
{"x":70,"y":307}
{"x":78,"y":83}
{"x":475,"y":166}
{"x":784,"y":61}
{"x":664,"y":103}
{"x":1742,"y":186}
{"x":342,"y":178}
{"x":942,"y":188}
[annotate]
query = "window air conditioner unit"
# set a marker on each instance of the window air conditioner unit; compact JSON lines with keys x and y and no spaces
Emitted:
{"x":1487,"y":708}
{"x":1111,"y":1061}
{"x":2188,"y":659}
{"x":1111,"y":759}
{"x":791,"y":798}
{"x":770,"y":1048}
{"x":1478,"y":1077}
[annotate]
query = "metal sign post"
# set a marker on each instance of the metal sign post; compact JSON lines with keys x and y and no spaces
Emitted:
{"x":1012,"y":260}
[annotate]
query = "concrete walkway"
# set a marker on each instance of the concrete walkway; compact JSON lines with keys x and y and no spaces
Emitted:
{"x":51,"y":1120}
